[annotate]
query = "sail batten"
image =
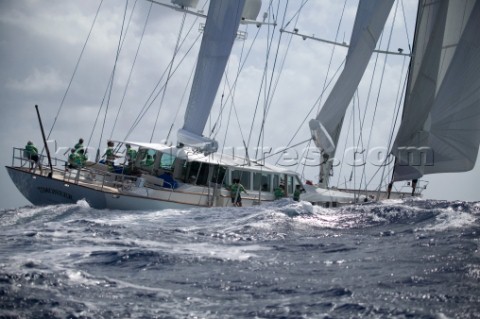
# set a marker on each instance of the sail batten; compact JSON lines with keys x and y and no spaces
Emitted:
{"x":441,"y":113}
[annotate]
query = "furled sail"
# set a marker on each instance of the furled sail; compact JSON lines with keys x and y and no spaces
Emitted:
{"x":440,"y":130}
{"x":369,"y":22}
{"x":219,"y":34}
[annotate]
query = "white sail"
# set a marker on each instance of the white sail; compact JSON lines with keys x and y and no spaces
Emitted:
{"x":219,"y":34}
{"x":369,"y":22}
{"x":440,"y":130}
{"x":251,"y":9}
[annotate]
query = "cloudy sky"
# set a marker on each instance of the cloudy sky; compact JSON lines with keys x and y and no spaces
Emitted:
{"x":41,"y":42}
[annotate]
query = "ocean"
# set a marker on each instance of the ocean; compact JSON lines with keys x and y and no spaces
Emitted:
{"x":411,"y":258}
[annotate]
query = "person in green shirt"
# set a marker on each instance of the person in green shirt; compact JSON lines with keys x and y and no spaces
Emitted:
{"x":279,"y":192}
{"x":73,"y":159}
{"x":130,"y":157}
{"x":79,"y":145}
{"x":81,"y":157}
{"x":110,"y":155}
{"x":235,"y":191}
{"x":76,"y":159}
{"x":31,"y":153}
{"x":131,"y":154}
{"x":149,"y":160}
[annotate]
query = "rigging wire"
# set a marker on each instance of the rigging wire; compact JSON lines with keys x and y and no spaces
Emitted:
{"x":332,"y":54}
{"x":326,"y":83}
{"x":75,"y":70}
{"x":175,"y":52}
{"x":236,"y":115}
{"x":349,"y":127}
{"x":133,"y":65}
{"x":407,"y":33}
{"x":360,"y":145}
{"x":236,"y":78}
{"x":296,"y":14}
{"x":330,"y":65}
{"x":394,"y":122}
{"x":367,"y":103}
{"x":380,"y":85}
{"x":109,"y":85}
{"x":395,"y":117}
{"x":269,"y":93}
{"x":304,"y":165}
{"x":246,"y":144}
{"x":362,"y":121}
{"x":301,"y":126}
{"x":215,"y":128}
{"x":154,"y":96}
{"x":285,"y":149}
{"x":185,"y":91}
{"x":353,"y":141}
{"x":273,"y":89}
{"x":268,"y":88}
{"x":232,"y":89}
{"x":231,"y":94}
{"x":226,"y":131}
{"x":119,"y":48}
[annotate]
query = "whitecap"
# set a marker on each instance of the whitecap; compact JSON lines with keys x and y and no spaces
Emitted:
{"x":451,"y":219}
{"x":83,"y":203}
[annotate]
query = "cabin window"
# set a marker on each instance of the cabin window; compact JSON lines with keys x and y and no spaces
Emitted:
{"x":197,"y":173}
{"x":262,"y":181}
{"x":290,"y":184}
{"x":218,"y":174}
{"x":146,"y":159}
{"x":243,"y":176}
{"x":167,"y":161}
{"x":180,"y":170}
{"x":276,"y":181}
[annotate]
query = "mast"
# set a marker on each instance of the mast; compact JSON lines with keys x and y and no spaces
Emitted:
{"x":44,"y":142}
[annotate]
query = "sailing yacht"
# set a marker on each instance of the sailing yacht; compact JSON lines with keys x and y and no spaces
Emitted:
{"x":195,"y":173}
{"x":190,"y":174}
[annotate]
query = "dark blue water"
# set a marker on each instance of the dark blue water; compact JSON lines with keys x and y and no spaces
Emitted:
{"x":396,"y":259}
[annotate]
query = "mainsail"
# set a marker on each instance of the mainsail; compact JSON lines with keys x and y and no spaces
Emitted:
{"x":219,"y":34}
{"x":440,"y":130}
{"x":369,"y":22}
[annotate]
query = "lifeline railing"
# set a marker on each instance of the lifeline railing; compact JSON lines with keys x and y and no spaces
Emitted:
{"x":74,"y":175}
{"x":91,"y":176}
